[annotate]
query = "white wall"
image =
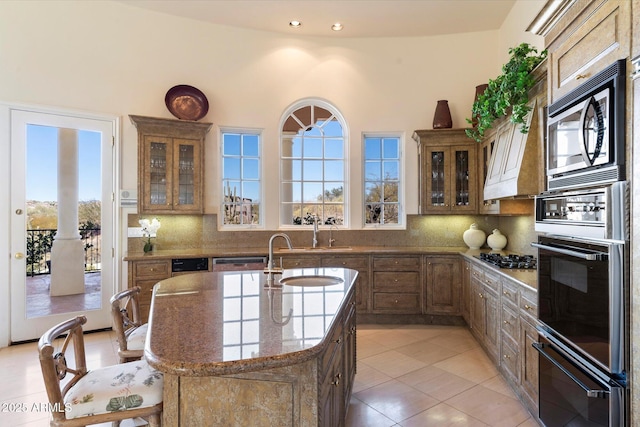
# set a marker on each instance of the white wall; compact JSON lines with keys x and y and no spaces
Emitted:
{"x":111,"y":58}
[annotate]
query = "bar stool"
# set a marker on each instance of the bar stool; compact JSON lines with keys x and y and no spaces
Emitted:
{"x":131,"y":333}
{"x":108,"y":394}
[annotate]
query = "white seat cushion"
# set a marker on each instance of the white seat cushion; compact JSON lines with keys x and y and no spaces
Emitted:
{"x":135,"y":341}
{"x":115,"y":388}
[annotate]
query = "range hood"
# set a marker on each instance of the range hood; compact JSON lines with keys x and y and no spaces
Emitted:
{"x":514,"y":167}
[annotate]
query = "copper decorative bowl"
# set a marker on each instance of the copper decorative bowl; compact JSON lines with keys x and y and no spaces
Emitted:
{"x":186,"y":102}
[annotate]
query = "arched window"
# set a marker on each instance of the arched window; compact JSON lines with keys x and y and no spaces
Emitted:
{"x":313,"y":167}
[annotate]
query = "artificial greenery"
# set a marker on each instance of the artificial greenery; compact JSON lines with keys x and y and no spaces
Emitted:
{"x":509,"y":90}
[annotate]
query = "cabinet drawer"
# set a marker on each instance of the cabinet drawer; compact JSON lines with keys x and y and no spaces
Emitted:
{"x":477,"y":272}
{"x":509,"y":322}
{"x":510,"y":292}
{"x":397,"y":263}
{"x":396,"y":302}
{"x":492,"y":280}
{"x":298,"y":262}
{"x":333,"y":346}
{"x":510,"y":358}
{"x":528,"y":306}
{"x":406,"y":281}
{"x":355,"y":263}
{"x":152,"y":269}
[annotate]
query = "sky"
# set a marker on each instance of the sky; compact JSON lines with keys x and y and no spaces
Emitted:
{"x":42,"y":164}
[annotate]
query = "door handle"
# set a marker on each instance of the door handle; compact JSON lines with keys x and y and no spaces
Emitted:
{"x":18,"y":255}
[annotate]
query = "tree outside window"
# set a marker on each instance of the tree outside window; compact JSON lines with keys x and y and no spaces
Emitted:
{"x":241,"y":178}
{"x":313,"y":166}
{"x":382,"y":173}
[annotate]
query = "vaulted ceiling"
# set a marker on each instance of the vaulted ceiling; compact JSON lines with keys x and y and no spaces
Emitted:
{"x":360,"y":18}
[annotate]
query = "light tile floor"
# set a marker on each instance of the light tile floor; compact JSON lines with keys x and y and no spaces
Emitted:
{"x":407,"y":376}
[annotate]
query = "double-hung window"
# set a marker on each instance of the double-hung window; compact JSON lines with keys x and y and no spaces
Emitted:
{"x":382,"y":180}
{"x":241,"y":184}
{"x":313,"y":169}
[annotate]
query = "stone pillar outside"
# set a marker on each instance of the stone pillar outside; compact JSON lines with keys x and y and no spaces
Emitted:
{"x":67,"y":252}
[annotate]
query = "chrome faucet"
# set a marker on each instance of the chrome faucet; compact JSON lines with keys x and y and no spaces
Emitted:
{"x":331,"y":239}
{"x":315,"y":231}
{"x":270,"y":270}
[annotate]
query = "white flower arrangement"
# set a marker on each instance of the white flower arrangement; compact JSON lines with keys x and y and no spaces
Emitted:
{"x":149,"y":230}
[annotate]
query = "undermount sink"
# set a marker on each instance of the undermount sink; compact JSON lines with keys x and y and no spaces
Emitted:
{"x":311,"y":280}
{"x":317,"y":248}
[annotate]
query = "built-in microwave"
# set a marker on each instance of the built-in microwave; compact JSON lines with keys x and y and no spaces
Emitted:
{"x":585,"y":133}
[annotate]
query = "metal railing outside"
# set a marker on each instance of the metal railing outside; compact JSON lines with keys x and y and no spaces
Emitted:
{"x":40,"y":241}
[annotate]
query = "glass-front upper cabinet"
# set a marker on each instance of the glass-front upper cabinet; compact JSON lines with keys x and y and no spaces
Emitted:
{"x":447,"y":171}
{"x":170,"y":165}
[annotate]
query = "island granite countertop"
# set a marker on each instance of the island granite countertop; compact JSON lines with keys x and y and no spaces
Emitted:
{"x":209,"y":324}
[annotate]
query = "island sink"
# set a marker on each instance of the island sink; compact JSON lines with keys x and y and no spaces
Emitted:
{"x":311,"y":280}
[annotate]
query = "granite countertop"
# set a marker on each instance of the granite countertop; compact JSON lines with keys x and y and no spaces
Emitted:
{"x":525,"y":277}
{"x":207,"y":324}
{"x":355,"y":250}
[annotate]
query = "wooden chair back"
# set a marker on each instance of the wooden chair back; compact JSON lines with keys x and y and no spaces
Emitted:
{"x":126,"y":316}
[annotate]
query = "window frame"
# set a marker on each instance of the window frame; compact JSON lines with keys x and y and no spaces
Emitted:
{"x":314,"y":102}
{"x":401,"y":224}
{"x":261,"y":209}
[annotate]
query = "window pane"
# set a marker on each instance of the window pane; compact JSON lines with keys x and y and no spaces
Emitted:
{"x":372,"y":213}
{"x":391,"y":148}
{"x":334,"y":192}
{"x":372,"y":171}
{"x":373,"y":192}
{"x":231,"y":144}
{"x":312,"y":170}
{"x":332,"y":128}
{"x":312,"y":148}
{"x":334,"y":149}
{"x":250,"y":146}
{"x":312,"y":191}
{"x":372,"y":148}
{"x":391,"y":214}
{"x":390,"y":170}
{"x":334,"y":170}
{"x":251,"y":190}
{"x":251,"y":169}
{"x":231,"y":167}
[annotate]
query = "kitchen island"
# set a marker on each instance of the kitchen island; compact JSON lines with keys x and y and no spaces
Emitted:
{"x":234,"y":352}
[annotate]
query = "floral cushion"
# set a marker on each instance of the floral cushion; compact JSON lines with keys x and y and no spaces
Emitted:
{"x":135,"y":341}
{"x":115,"y":388}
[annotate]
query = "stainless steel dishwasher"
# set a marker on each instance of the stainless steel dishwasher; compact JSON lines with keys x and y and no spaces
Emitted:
{"x":239,"y":263}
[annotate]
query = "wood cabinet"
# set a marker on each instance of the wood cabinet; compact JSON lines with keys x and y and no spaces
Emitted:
{"x":583,"y":39}
{"x":396,"y":284}
{"x":444,"y":283}
{"x":361,"y":265}
{"x":336,"y":370}
{"x":146,"y":274}
{"x":170,"y":165}
{"x":503,"y":317}
{"x":447,"y":171}
{"x":465,"y":297}
{"x":485,"y":310}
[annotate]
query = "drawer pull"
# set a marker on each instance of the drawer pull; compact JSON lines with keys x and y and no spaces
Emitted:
{"x":581,"y":76}
{"x":528,"y":307}
{"x":506,"y":322}
{"x":506,"y":293}
{"x":396,"y":301}
{"x":336,"y":382}
{"x":481,"y":296}
{"x":506,"y":356}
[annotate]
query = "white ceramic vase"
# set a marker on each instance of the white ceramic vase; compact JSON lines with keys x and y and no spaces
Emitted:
{"x":474,"y":237}
{"x":496,"y":240}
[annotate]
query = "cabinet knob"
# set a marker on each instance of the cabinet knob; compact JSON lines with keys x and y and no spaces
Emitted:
{"x":506,"y":356}
{"x":152,"y":269}
{"x":528,"y":307}
{"x":338,"y":341}
{"x":505,"y":322}
{"x":396,"y":301}
{"x":506,"y":293}
{"x":481,"y":296}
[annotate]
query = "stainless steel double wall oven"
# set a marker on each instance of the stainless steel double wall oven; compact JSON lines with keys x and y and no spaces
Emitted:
{"x":583,"y":279}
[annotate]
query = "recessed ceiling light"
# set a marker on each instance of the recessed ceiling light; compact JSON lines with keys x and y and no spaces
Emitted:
{"x":295,"y":24}
{"x":337,"y":27}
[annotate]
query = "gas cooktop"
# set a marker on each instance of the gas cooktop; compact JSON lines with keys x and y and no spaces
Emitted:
{"x":510,"y":260}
